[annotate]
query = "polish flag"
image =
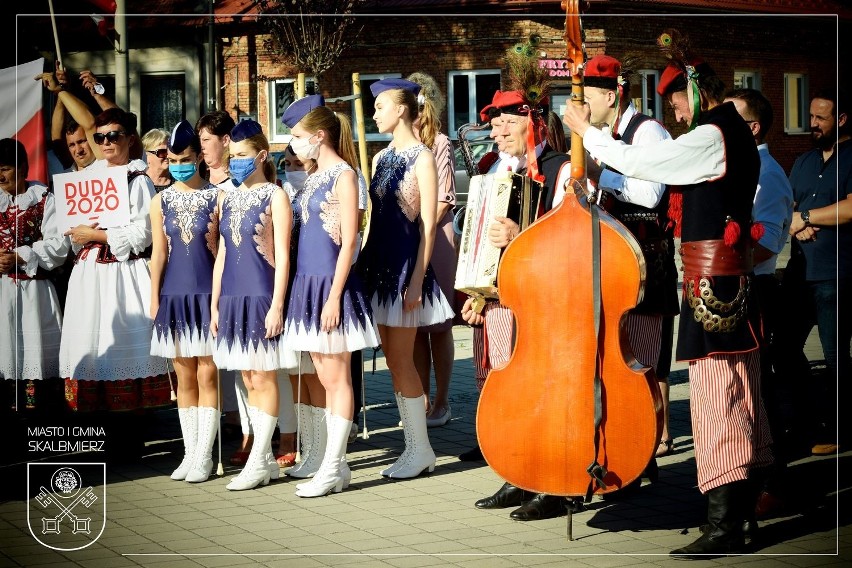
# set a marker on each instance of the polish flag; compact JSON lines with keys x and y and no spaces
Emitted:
{"x":23,"y":120}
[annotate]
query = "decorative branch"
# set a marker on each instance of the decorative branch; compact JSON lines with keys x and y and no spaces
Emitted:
{"x":311,"y":34}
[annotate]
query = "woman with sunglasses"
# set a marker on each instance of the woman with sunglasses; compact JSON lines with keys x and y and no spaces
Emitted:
{"x":157,"y":157}
{"x":107,"y":334}
{"x":395,"y":261}
{"x":185,"y":231}
{"x":249,"y":287}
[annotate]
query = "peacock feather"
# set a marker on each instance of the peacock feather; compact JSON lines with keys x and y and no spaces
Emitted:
{"x":525,"y":73}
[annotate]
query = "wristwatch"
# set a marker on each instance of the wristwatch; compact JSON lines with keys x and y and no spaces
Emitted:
{"x":806,"y":216}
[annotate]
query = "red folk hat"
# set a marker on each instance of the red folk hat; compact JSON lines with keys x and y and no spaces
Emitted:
{"x":514,"y":102}
{"x":602,"y":71}
{"x":674,"y":78}
{"x":489,"y":110}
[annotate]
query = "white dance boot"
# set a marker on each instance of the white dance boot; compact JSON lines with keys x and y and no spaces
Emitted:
{"x":188,"y":418}
{"x":272,"y":463}
{"x":330,"y":476}
{"x":418,"y":454}
{"x":208,"y":426}
{"x":315,"y":439}
{"x":256,"y":471}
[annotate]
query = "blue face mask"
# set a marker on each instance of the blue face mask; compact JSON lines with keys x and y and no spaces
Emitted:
{"x":182,"y":172}
{"x":241,"y":169}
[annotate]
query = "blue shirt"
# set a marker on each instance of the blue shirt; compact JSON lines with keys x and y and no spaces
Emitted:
{"x":773,"y":207}
{"x":818,"y":184}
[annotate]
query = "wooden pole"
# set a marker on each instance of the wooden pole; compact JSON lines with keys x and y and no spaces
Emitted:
{"x":55,"y":34}
{"x":300,"y":85}
{"x":359,"y":122}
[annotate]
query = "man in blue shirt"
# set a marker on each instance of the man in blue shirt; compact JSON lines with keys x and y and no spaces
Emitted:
{"x":818,"y":278}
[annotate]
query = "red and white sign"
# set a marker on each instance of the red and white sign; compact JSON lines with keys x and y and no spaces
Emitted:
{"x":22,"y":119}
{"x":94,"y":195}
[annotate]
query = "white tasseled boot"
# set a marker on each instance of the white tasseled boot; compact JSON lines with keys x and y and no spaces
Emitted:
{"x":208,"y":426}
{"x":420,"y":456}
{"x":330,"y":476}
{"x":256,"y":472}
{"x":406,"y":433}
{"x":311,"y":462}
{"x":188,"y":418}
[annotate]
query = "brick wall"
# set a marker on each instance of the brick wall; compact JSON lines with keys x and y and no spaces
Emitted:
{"x":436,"y":45}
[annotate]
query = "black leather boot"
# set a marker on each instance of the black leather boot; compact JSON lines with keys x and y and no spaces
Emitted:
{"x":723,"y":533}
{"x":540,"y":507}
{"x":506,"y":496}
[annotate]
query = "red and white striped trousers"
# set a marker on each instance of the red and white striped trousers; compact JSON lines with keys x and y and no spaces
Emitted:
{"x":492,"y":341}
{"x":644,"y":336}
{"x":729,"y":423}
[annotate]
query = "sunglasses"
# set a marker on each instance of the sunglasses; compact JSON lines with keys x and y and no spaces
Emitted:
{"x":161,"y":153}
{"x":112,"y":136}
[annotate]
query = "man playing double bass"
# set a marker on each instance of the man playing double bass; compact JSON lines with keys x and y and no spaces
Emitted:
{"x":642,"y":207}
{"x":516,"y":114}
{"x":717,"y":166}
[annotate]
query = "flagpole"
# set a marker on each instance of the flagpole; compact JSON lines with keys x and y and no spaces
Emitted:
{"x":55,"y":34}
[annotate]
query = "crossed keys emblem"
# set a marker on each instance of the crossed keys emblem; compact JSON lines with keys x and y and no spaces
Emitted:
{"x":80,"y":525}
{"x":66,"y":496}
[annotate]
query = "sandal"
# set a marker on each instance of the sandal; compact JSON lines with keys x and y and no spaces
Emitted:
{"x":665,"y":448}
{"x":287,"y":459}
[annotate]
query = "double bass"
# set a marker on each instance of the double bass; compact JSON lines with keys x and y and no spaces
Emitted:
{"x":572,"y":413}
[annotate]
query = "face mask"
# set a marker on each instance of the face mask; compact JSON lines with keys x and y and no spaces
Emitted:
{"x":297,"y":179}
{"x":241,"y":168}
{"x":303,"y":148}
{"x":182,"y":172}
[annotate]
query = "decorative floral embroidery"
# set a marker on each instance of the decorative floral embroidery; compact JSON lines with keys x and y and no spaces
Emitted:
{"x":185,"y":205}
{"x":386,"y":168}
{"x":21,"y":227}
{"x":393,"y":165}
{"x":330,"y":215}
{"x":408,"y":196}
{"x":239,"y":202}
{"x":264,"y":237}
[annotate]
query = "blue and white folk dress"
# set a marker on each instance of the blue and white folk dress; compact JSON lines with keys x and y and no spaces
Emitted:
{"x":248,"y":282}
{"x":191,"y":225}
{"x":318,"y":215}
{"x":390,"y":255}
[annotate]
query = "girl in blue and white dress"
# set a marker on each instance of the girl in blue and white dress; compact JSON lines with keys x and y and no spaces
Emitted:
{"x":328,"y":314}
{"x":395,"y":260}
{"x":249,"y":287}
{"x":185,"y":235}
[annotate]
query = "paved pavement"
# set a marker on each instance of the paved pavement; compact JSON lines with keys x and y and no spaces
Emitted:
{"x":429,"y":521}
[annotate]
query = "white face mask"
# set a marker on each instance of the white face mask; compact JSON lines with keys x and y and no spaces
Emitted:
{"x":303,"y":148}
{"x":297,"y":179}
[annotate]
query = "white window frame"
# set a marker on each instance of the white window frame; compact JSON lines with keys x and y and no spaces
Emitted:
{"x":368,"y":108}
{"x":274,"y":118}
{"x":473,"y":112}
{"x":796,"y":103}
{"x":657,"y":112}
{"x":747,"y":80}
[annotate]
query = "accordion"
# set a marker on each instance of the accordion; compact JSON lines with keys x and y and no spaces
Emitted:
{"x":502,"y":194}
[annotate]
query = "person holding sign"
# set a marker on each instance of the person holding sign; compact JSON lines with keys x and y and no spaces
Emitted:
{"x":106,"y":342}
{"x":185,"y":235}
{"x":30,"y":246}
{"x":249,"y":286}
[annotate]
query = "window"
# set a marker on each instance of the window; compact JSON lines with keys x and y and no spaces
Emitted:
{"x":164,"y":103}
{"x":469,"y":91}
{"x":281,"y":94}
{"x":368,"y":100}
{"x":796,"y":109}
{"x":644,"y":94}
{"x":746,"y":80}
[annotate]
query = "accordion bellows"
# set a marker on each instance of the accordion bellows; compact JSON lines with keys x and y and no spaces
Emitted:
{"x":501,"y":194}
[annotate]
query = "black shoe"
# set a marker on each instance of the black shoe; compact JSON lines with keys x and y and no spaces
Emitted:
{"x":472,"y":455}
{"x":507,"y":496}
{"x":540,"y":507}
{"x":728,"y":506}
